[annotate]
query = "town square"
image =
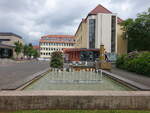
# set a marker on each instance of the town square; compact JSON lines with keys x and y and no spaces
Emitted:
{"x":75,"y":56}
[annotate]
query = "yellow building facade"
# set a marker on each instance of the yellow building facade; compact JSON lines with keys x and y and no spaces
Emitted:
{"x":121,"y":42}
{"x":118,"y":44}
{"x":81,"y":35}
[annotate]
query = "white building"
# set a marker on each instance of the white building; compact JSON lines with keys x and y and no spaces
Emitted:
{"x":102,"y":29}
{"x":51,"y":43}
{"x":101,"y":26}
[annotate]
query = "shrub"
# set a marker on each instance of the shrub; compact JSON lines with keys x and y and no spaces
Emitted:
{"x":139,"y":63}
{"x":56,"y":60}
{"x":120,"y":61}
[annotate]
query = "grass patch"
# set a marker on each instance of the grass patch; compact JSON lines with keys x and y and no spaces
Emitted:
{"x":82,"y":111}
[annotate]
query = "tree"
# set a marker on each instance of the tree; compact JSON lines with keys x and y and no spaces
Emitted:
{"x":18,"y":48}
{"x":25,"y":50}
{"x":35,"y":53}
{"x":30,"y":51}
{"x":56,"y":60}
{"x":138,"y":32}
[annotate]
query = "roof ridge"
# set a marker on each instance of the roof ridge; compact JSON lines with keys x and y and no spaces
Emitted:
{"x":104,"y":8}
{"x":99,"y":9}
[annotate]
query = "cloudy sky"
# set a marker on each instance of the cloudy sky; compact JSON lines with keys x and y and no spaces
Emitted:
{"x":32,"y":19}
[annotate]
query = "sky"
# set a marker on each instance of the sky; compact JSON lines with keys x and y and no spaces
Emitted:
{"x":32,"y":19}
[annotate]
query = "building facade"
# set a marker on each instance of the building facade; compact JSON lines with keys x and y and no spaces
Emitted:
{"x":51,"y":43}
{"x":7,"y":46}
{"x":101,"y":26}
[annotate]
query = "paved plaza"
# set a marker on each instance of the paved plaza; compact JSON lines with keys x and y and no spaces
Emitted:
{"x":143,"y":80}
{"x":15,"y":74}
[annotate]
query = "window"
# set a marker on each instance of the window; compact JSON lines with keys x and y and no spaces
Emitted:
{"x":113,"y":33}
{"x":91,"y":33}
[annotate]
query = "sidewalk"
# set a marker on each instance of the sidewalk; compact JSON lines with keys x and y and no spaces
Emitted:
{"x":144,"y":80}
{"x":14,"y":75}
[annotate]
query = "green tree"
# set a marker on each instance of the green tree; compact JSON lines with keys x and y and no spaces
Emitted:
{"x":35,"y":53}
{"x":138,"y":32}
{"x":30,"y":50}
{"x":57,"y":60}
{"x":25,"y":50}
{"x":18,"y":48}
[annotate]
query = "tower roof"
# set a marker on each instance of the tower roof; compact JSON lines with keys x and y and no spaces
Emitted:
{"x":99,"y":9}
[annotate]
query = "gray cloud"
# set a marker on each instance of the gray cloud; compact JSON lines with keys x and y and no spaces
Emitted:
{"x":33,"y":18}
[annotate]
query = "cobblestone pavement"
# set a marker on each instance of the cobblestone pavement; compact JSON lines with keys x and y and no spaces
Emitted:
{"x":144,"y":80}
{"x":13,"y":75}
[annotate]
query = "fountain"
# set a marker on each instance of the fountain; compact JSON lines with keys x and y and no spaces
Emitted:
{"x":72,"y":76}
{"x":79,"y":77}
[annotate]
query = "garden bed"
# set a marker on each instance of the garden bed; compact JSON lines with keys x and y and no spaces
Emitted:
{"x":138,"y":62}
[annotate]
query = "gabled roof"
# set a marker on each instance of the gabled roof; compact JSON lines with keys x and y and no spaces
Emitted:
{"x":99,"y":9}
{"x":102,"y":9}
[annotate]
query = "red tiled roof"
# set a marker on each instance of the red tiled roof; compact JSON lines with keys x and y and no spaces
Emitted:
{"x":102,"y":9}
{"x":56,"y":41}
{"x":99,"y":9}
{"x":119,"y":20}
{"x":36,"y":47}
{"x":58,"y":36}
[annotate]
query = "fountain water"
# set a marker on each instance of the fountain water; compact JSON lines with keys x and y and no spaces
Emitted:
{"x":72,"y":76}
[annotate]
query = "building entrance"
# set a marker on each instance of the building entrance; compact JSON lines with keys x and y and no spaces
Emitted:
{"x":6,"y":53}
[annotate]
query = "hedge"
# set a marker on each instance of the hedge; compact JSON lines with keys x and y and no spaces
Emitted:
{"x":137,"y":62}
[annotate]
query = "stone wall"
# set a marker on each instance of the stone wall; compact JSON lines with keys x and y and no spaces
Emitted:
{"x":21,"y":100}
